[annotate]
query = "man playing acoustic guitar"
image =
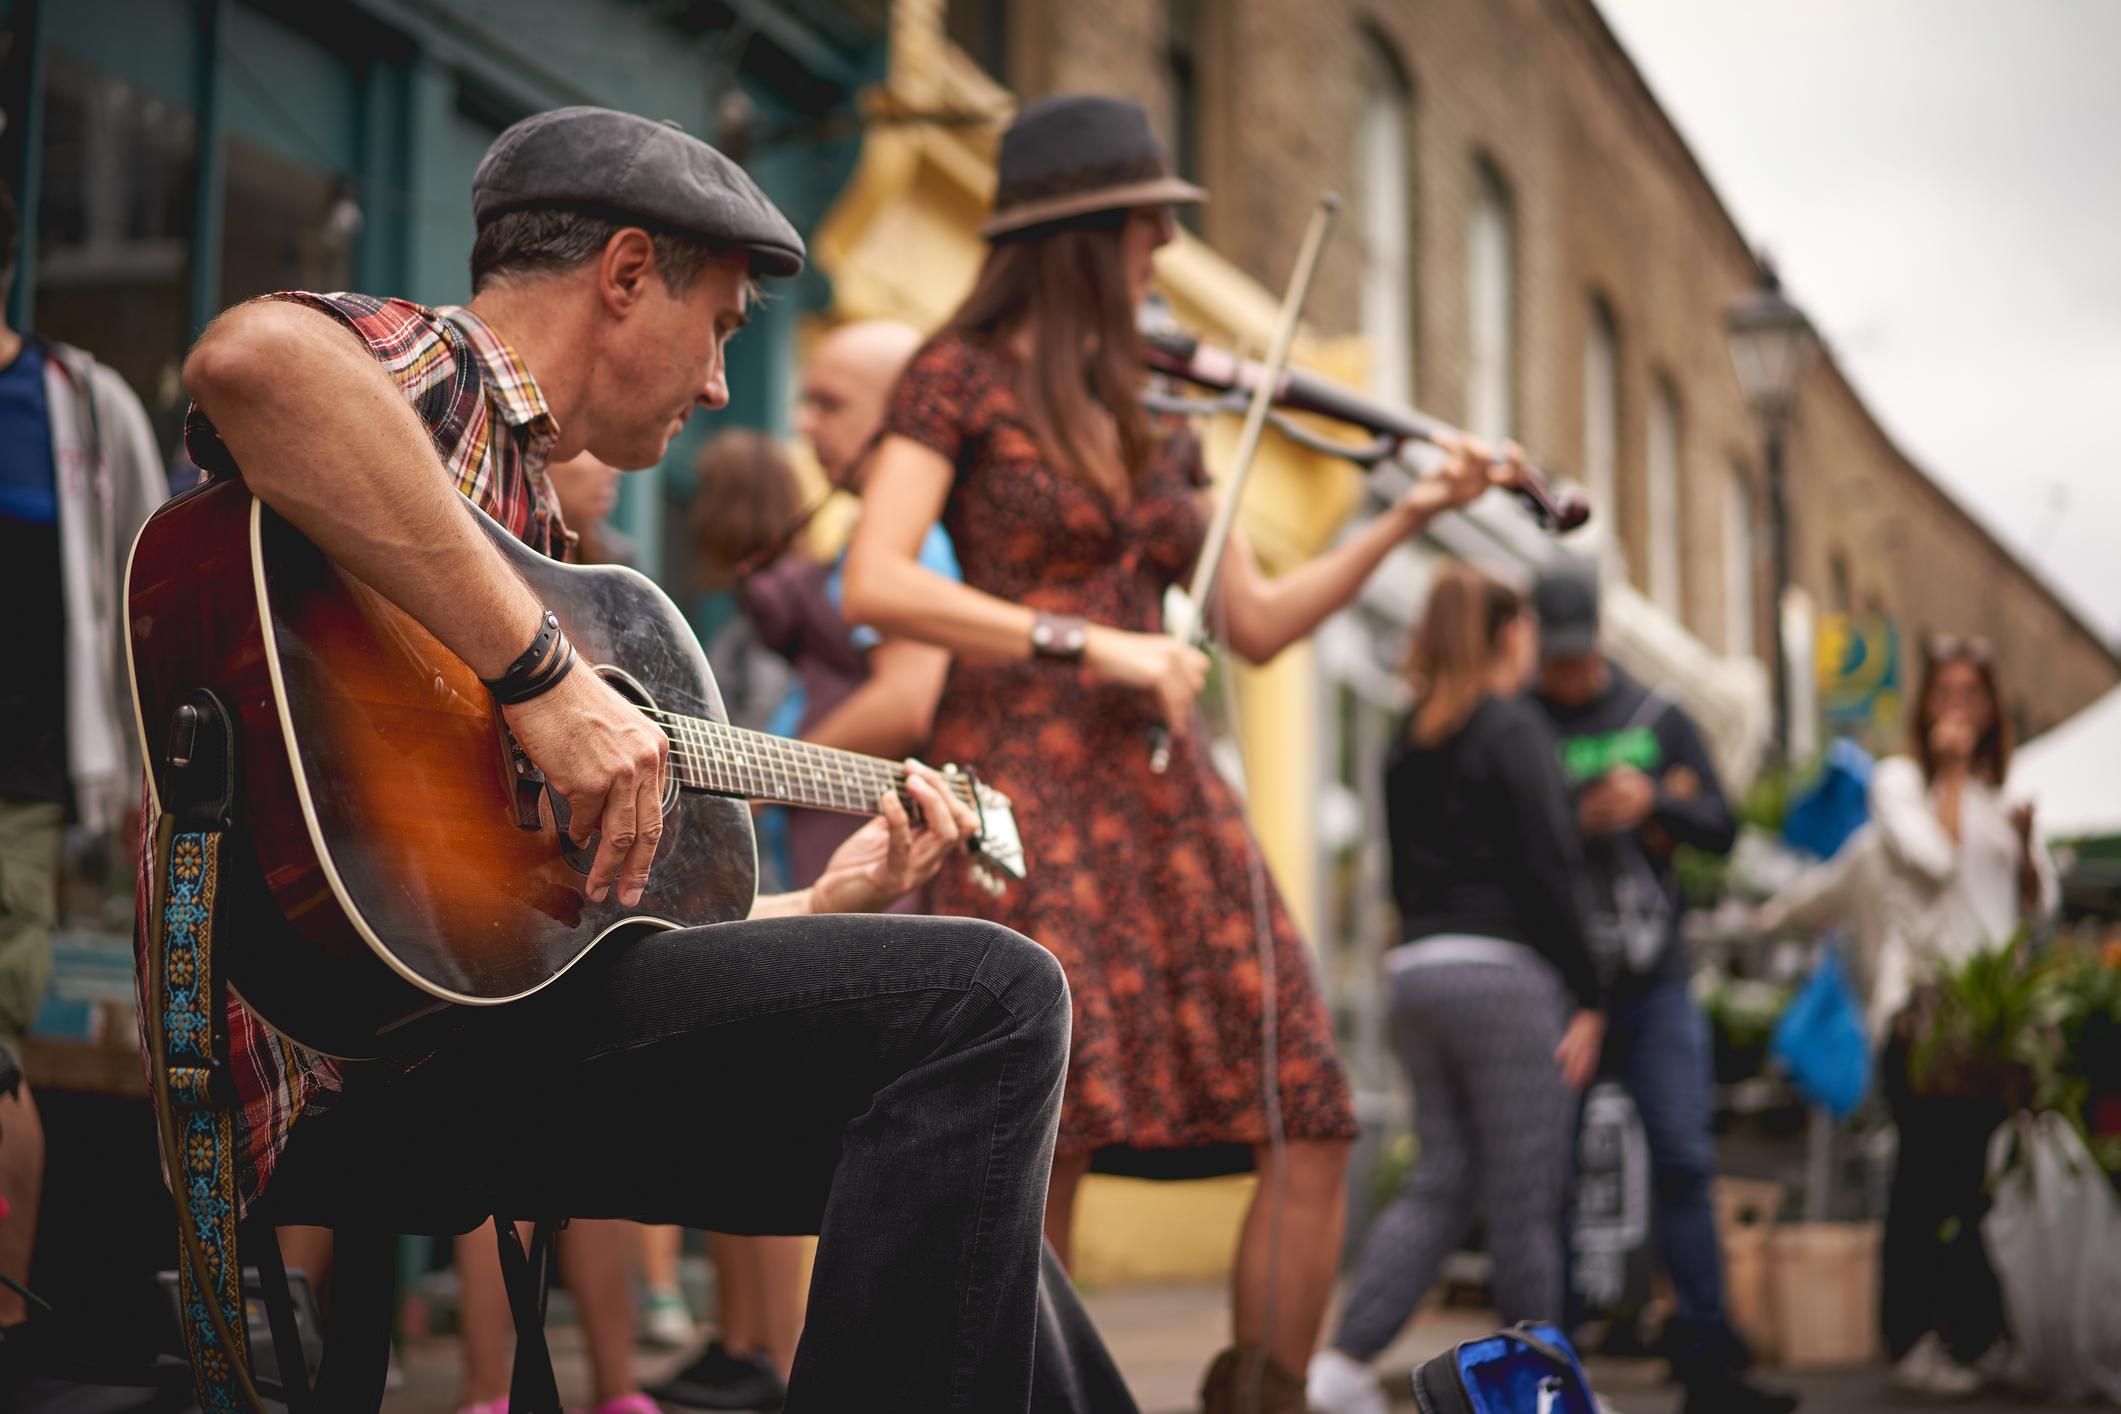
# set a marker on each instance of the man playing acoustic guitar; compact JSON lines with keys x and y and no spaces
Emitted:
{"x":889,"y":1083}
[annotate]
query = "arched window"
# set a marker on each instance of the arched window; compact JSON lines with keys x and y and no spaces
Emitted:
{"x":1663,"y":496}
{"x":1182,"y":66}
{"x":1739,"y":610}
{"x":1387,"y":215}
{"x":1601,"y":409}
{"x":1490,"y":300}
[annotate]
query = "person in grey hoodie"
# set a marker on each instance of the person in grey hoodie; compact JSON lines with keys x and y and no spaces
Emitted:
{"x":79,"y":475}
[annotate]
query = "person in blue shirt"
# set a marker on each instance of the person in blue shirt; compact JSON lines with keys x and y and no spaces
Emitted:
{"x":860,"y":691}
{"x":70,"y":755}
{"x":854,"y":690}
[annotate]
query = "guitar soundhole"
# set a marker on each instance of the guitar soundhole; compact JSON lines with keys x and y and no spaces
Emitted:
{"x":580,"y":857}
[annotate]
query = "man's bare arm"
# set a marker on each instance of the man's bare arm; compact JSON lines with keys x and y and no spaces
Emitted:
{"x":325,"y":438}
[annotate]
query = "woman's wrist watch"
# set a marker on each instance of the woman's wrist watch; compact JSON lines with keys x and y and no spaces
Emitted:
{"x":1058,"y":635}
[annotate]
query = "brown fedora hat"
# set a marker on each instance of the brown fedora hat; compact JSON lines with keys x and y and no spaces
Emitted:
{"x":1074,"y":154}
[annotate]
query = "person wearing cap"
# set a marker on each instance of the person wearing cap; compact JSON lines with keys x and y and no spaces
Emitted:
{"x":891,"y":1082}
{"x":1495,"y":1003}
{"x":1643,"y":785}
{"x":1020,"y":427}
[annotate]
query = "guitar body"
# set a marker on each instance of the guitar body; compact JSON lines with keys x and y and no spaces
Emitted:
{"x":389,"y":858}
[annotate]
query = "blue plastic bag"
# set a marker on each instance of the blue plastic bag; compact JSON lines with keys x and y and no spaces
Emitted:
{"x":1821,"y":1042}
{"x":1821,"y":819}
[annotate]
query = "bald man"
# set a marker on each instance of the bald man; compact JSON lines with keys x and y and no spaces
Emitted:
{"x":845,"y":389}
{"x":860,"y":693}
{"x":849,"y":380}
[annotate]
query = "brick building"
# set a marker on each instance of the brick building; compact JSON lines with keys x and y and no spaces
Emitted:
{"x":1534,"y":250}
{"x":1529,"y":249}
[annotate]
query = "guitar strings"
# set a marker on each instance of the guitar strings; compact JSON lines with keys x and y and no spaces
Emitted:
{"x":810,"y":768}
{"x":693,"y":742}
{"x":847,"y":777}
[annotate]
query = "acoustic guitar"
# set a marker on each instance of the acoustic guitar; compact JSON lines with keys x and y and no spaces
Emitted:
{"x":396,"y":855}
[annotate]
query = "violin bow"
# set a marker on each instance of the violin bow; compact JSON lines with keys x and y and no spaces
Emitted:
{"x":1192,"y":617}
{"x":1182,"y":356}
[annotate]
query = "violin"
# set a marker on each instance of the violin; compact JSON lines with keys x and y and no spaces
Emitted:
{"x":1181,"y":355}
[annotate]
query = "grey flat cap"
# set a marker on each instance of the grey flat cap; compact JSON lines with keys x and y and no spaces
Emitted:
{"x":621,"y":165}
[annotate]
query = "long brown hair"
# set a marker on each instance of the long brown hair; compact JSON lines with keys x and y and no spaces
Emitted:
{"x":1067,"y":286}
{"x":1455,"y":648}
{"x":1992,"y":754}
{"x":745,"y":495}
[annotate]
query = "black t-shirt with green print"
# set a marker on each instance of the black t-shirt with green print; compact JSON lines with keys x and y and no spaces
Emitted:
{"x":1632,"y":902}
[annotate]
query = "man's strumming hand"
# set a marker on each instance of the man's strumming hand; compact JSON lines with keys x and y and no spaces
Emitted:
{"x":607,"y":761}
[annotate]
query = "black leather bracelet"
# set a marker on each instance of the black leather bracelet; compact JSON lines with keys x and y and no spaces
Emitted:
{"x":540,"y":646}
{"x":543,"y":680}
{"x":538,"y":669}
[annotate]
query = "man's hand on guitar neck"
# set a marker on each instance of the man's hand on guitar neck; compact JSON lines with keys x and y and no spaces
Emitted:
{"x":607,"y":761}
{"x":889,"y":856}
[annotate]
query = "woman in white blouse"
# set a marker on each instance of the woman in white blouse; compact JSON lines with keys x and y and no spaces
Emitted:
{"x":1944,"y":870}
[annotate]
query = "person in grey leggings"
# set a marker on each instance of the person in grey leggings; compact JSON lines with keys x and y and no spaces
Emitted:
{"x":1495,"y":1001}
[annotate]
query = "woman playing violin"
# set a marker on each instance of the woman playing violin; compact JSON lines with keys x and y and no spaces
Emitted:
{"x":1020,"y":426}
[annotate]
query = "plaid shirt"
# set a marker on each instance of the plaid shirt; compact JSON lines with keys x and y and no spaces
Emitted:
{"x":492,"y":431}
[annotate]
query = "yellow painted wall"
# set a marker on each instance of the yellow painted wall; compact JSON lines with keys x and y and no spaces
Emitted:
{"x":1132,"y":1230}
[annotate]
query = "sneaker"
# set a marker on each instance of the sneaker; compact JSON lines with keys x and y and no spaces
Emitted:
{"x":2005,"y":1367}
{"x":1928,"y":1370}
{"x":1338,"y":1383}
{"x":721,"y":1380}
{"x":666,"y":1321}
{"x":1728,"y":1392}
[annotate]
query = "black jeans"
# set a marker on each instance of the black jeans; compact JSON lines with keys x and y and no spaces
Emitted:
{"x":891,"y":1084}
{"x":1935,"y":1273}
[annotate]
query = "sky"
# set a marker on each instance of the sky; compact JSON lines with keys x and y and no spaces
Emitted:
{"x":1939,"y":182}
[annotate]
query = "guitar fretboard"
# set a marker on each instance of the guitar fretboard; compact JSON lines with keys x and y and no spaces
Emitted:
{"x":724,"y":760}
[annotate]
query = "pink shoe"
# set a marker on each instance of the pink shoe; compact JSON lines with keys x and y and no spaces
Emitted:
{"x":487,"y":1406}
{"x":635,"y":1403}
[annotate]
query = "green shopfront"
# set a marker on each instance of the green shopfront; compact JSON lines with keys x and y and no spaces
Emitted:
{"x":172,"y":157}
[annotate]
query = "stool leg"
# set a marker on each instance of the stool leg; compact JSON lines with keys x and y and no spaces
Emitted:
{"x":534,"y":1389}
{"x":357,"y":1339}
{"x":263,"y":1243}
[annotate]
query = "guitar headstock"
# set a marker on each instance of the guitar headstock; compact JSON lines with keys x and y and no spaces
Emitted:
{"x":997,"y":844}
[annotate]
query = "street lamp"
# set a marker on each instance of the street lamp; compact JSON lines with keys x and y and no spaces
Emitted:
{"x":1771,"y":341}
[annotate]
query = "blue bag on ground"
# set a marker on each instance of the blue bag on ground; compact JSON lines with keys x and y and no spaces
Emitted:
{"x":1527,"y":1369}
{"x":1820,"y":1040}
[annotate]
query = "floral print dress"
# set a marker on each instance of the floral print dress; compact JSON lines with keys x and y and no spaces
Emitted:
{"x":1140,"y":883}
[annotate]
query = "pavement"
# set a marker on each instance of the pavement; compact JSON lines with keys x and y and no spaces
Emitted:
{"x":1163,"y":1337}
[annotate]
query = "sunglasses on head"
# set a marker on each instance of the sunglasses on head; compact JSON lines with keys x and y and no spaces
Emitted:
{"x":1951,"y":648}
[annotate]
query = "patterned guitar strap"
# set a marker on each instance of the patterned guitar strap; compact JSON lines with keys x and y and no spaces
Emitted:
{"x":193,"y":1040}
{"x":197,"y":791}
